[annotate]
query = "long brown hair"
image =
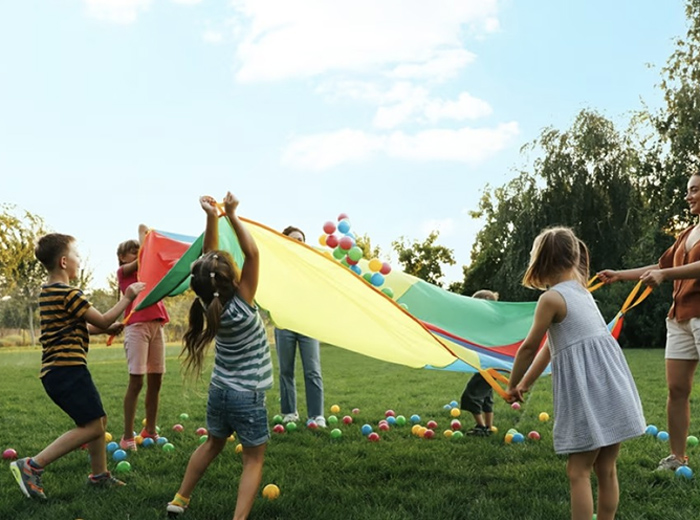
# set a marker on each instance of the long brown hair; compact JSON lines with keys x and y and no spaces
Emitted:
{"x":214,"y":282}
{"x":554,"y":251}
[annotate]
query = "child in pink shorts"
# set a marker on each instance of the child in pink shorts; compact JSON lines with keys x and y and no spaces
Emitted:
{"x":144,"y":343}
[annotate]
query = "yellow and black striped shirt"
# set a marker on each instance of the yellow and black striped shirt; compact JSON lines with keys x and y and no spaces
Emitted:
{"x":64,"y":334}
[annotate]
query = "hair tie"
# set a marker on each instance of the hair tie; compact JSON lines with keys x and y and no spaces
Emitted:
{"x":215,"y":257}
{"x":216,"y":295}
{"x":212,"y":274}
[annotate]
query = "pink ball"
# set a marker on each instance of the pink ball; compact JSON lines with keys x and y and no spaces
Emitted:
{"x":515,"y":406}
{"x":534,"y":436}
{"x":329,"y":228}
{"x":347,"y":419}
{"x":373,"y":437}
{"x":385,"y":269}
{"x":178,"y":428}
{"x":432,"y":425}
{"x":384,"y":427}
{"x":201,"y":431}
{"x":9,"y":454}
{"x":332,"y":241}
{"x":390,"y":413}
{"x":355,"y":411}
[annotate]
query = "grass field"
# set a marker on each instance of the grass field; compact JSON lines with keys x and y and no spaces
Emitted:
{"x":400,"y":477}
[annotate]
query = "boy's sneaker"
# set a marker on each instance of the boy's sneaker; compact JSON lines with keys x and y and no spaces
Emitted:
{"x":28,"y":478}
{"x":145,"y":435}
{"x":320,"y":421}
{"x":127,"y":444}
{"x":104,"y":480}
{"x":479,"y":431}
{"x":671,"y":462}
{"x":290,"y":417}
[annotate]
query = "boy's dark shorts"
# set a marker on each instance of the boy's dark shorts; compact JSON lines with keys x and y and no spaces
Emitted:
{"x":477,"y":396}
{"x":72,"y":389}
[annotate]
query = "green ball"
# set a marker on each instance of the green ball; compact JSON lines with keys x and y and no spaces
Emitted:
{"x":123,"y":467}
{"x":336,"y":433}
{"x":332,"y":419}
{"x":338,"y":253}
{"x":277,"y":419}
{"x":158,"y":430}
{"x":403,"y":306}
{"x":457,"y":435}
{"x":512,"y":431}
{"x":692,"y":440}
{"x":355,"y":253}
{"x":291,"y":426}
{"x":388,"y":291}
{"x":184,"y":416}
{"x":367,"y":277}
{"x":203,"y":439}
{"x":400,"y":420}
{"x":168,"y":447}
{"x":344,"y":261}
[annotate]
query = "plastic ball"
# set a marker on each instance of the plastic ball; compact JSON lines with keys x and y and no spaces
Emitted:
{"x":373,"y":437}
{"x":344,"y":226}
{"x":512,"y":431}
{"x":456,"y":435}
{"x":123,"y":467}
{"x":390,"y":413}
{"x":385,"y":269}
{"x":376,"y":279}
{"x":355,"y":253}
{"x":277,"y":419}
{"x":147,"y":442}
{"x":375,"y":265}
{"x":508,"y":438}
{"x":421,"y":431}
{"x":322,"y":240}
{"x":119,"y":455}
{"x":200,"y":431}
{"x":662,"y":436}
{"x":400,"y":420}
{"x":9,"y":454}
{"x":388,"y":291}
{"x":112,"y":447}
{"x":178,"y":428}
{"x":350,"y":261}
{"x":312,"y":425}
{"x":447,"y":433}
{"x":544,"y":417}
{"x":692,"y":440}
{"x":432,"y":425}
{"x":329,"y":228}
{"x":346,"y":243}
{"x":338,"y":253}
{"x":291,"y":426}
{"x":455,"y":424}
{"x":143,"y":423}
{"x":184,"y":416}
{"x":651,"y":430}
{"x":203,"y":439}
{"x":239,"y":448}
{"x":332,"y":241}
{"x":278,"y":428}
{"x":455,"y":412}
{"x":533,"y":435}
{"x":332,"y":419}
{"x":355,"y":411}
{"x":335,"y":408}
{"x":356,"y":269}
{"x":231,"y":438}
{"x":429,"y":433}
{"x":403,"y":306}
{"x":347,"y":419}
{"x":454,"y":404}
{"x":518,"y":438}
{"x":415,"y":418}
{"x":108,"y":437}
{"x":391,"y":420}
{"x":168,"y":447}
{"x":384,"y":426}
{"x":415,"y":429}
{"x":336,"y":433}
{"x":684,"y":472}
{"x":271,"y":492}
{"x":366,"y":429}
{"x":162,"y":441}
{"x":515,"y":406}
{"x":494,"y":429}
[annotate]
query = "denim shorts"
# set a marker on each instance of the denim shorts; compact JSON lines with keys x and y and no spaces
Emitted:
{"x":231,"y":411}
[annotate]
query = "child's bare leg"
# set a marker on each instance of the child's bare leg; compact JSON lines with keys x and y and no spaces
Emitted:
{"x":72,"y":440}
{"x":251,"y":477}
{"x":154,"y":382}
{"x":488,"y":419}
{"x":578,"y":469}
{"x":608,"y":489}
{"x":199,"y":462}
{"x":130,"y":402}
{"x":479,"y":418}
{"x":98,"y":450}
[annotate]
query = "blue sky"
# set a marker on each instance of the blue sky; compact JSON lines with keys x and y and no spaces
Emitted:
{"x":398,"y":113}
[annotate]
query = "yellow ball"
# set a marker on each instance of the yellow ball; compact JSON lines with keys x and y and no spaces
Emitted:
{"x":271,"y":492}
{"x":544,"y":417}
{"x":447,"y":433}
{"x":494,"y":429}
{"x":455,"y":412}
{"x":508,"y":438}
{"x":143,"y":423}
{"x":415,"y":428}
{"x":108,"y":437}
{"x":231,"y":438}
{"x":138,"y":439}
{"x":421,"y":431}
{"x":239,"y":448}
{"x":335,"y":408}
{"x":375,"y":265}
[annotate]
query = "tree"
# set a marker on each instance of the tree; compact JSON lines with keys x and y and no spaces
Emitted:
{"x":21,"y":274}
{"x":365,"y":243}
{"x":424,"y":260}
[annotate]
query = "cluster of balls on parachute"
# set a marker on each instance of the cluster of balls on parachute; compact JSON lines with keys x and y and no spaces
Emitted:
{"x":347,"y":252}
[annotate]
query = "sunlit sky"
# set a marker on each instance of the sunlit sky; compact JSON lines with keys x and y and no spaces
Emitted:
{"x":398,"y":113}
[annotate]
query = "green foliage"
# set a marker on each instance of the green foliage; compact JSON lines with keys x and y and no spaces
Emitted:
{"x":365,"y":243}
{"x":424,"y":260}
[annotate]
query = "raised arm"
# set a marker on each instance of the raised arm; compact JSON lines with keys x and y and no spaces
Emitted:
{"x":248,"y":284}
{"x":211,"y":232}
{"x":103,"y":321}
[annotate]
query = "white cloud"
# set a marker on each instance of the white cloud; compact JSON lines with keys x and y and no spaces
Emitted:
{"x":118,"y":11}
{"x":469,"y":145}
{"x":445,"y":226}
{"x":187,"y":2}
{"x":415,"y":38}
{"x":466,"y":107}
{"x":211,"y":36}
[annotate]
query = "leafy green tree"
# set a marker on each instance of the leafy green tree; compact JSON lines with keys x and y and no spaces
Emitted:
{"x":365,"y":243}
{"x":424,"y":260}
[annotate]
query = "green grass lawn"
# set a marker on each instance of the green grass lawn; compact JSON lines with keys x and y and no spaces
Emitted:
{"x":400,"y":477}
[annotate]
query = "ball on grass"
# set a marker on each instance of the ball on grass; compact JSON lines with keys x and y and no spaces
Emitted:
{"x":684,"y":472}
{"x":651,"y":430}
{"x":123,"y":467}
{"x":455,"y":412}
{"x":9,"y":454}
{"x":692,"y":440}
{"x":544,"y":417}
{"x":119,"y":455}
{"x":335,"y":408}
{"x":271,"y":492}
{"x":168,"y":447}
{"x":662,"y":436}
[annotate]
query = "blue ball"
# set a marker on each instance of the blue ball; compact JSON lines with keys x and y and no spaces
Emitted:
{"x":448,"y":406}
{"x":391,"y":420}
{"x":415,"y":418}
{"x":147,"y":442}
{"x":651,"y":430}
{"x":162,"y":440}
{"x":112,"y":447}
{"x":662,"y":436}
{"x":453,"y":404}
{"x":684,"y":472}
{"x":356,"y":269}
{"x":518,"y":438}
{"x":376,"y":279}
{"x":119,"y":455}
{"x":344,"y":226}
{"x":366,"y":429}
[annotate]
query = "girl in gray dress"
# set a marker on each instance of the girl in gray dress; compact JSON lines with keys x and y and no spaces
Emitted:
{"x":596,"y":404}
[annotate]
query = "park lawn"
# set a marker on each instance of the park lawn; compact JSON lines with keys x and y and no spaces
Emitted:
{"x":400,"y":477}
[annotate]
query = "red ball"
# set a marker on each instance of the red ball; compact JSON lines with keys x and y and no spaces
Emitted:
{"x":456,"y":425}
{"x":347,"y":419}
{"x":201,"y":431}
{"x":385,"y":269}
{"x":9,"y":454}
{"x":432,"y":425}
{"x":390,"y":413}
{"x":178,"y":428}
{"x":355,"y":411}
{"x":345,"y":243}
{"x":329,"y":228}
{"x":384,"y":426}
{"x":373,"y":437}
{"x":278,"y":428}
{"x":429,"y":434}
{"x":312,"y":425}
{"x":534,"y":436}
{"x":342,"y":216}
{"x":332,"y":241}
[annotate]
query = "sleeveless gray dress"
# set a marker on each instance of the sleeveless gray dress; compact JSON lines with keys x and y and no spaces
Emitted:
{"x":596,"y":403}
